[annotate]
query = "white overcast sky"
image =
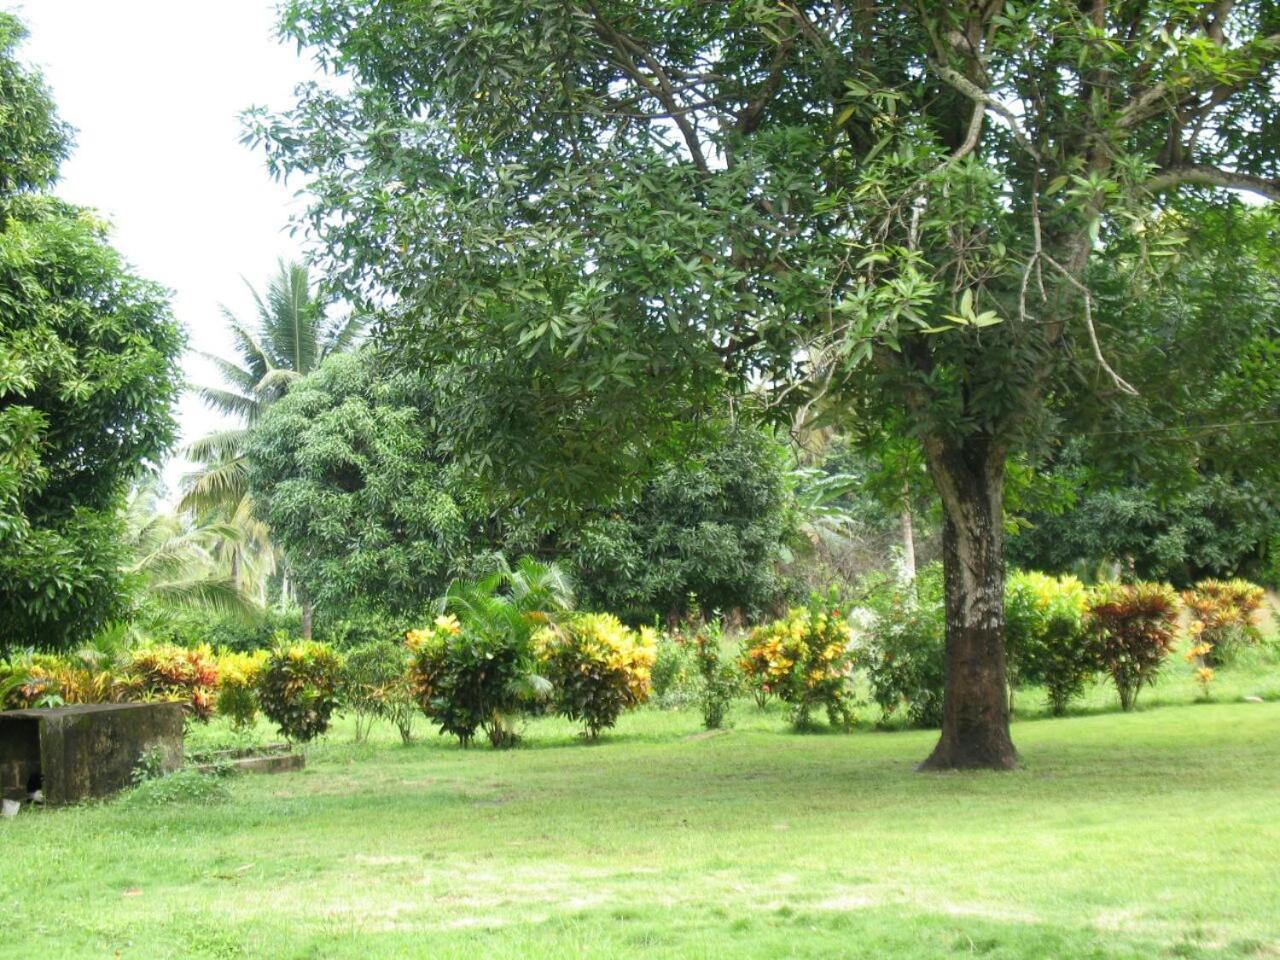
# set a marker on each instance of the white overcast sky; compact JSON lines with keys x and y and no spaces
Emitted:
{"x":154,"y":88}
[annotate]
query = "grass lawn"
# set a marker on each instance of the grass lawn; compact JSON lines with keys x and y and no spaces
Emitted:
{"x":1146,"y":835}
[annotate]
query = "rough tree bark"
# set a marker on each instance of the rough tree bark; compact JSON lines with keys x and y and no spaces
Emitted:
{"x":975,"y":720}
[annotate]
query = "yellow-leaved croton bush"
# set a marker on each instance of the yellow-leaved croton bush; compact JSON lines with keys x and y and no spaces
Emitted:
{"x":238,"y":675}
{"x":806,"y":659}
{"x":597,"y":667}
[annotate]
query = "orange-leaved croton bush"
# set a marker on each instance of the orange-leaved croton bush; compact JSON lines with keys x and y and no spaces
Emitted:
{"x":1132,"y":628}
{"x":1225,"y":610}
{"x":165,"y":671}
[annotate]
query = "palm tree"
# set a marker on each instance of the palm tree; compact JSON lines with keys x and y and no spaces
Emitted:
{"x":289,"y":338}
{"x":179,"y":563}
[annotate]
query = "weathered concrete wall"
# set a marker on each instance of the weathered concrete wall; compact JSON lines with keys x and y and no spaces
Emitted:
{"x":89,"y":750}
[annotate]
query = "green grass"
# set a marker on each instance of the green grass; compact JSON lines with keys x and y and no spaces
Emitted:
{"x":1154,"y":834}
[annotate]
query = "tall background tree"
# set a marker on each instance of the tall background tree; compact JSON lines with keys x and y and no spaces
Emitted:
{"x":88,"y":376}
{"x":601,"y":215}
{"x":290,"y":336}
{"x":348,"y":470}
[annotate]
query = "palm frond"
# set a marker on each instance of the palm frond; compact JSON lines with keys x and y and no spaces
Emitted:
{"x":216,"y":486}
{"x":238,"y":377}
{"x":343,"y":336}
{"x":215,"y":594}
{"x":229,"y":403}
{"x":219,"y":446}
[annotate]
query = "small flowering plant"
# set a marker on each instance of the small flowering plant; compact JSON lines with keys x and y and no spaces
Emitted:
{"x":806,"y":659}
{"x":1198,"y":655}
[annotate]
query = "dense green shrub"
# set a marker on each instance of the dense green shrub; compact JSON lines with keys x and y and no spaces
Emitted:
{"x":1224,"y":611}
{"x":1045,"y":636}
{"x":298,"y":688}
{"x":674,"y":677}
{"x":469,"y":679}
{"x":1132,"y":629}
{"x":806,"y":659}
{"x":473,"y":668}
{"x":596,"y":667}
{"x":375,"y":686}
{"x":904,"y":649}
{"x":227,"y":632}
{"x":709,"y":526}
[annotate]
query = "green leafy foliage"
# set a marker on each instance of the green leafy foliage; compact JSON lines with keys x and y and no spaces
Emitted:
{"x":709,"y":526}
{"x":1132,"y":629}
{"x":596,"y":666}
{"x":345,"y":470}
{"x":1045,"y":636}
{"x":473,"y":669}
{"x":905,"y":643}
{"x":375,"y":685}
{"x":88,"y":375}
{"x":674,"y":677}
{"x":718,"y":681}
{"x":469,"y":679}
{"x":298,"y":688}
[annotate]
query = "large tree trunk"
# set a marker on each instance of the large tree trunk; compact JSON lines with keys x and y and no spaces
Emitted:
{"x":307,"y":610}
{"x":975,"y":721}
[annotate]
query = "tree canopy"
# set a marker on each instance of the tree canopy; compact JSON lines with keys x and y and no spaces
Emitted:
{"x":351,"y":473}
{"x":600,"y":214}
{"x":88,"y":375}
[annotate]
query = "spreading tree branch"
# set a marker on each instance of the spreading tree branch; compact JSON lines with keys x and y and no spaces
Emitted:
{"x":964,"y":85}
{"x":1210,"y":176}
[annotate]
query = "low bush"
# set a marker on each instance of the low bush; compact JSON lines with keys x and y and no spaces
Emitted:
{"x":718,"y":681}
{"x":596,"y":666}
{"x":468,"y":680}
{"x":1224,"y":610}
{"x":674,"y":677}
{"x":48,"y":680}
{"x":238,"y":676}
{"x":1132,"y":628}
{"x":298,"y":688}
{"x":806,"y":659}
{"x":1045,"y":636}
{"x":375,"y":686}
{"x":168,"y":672}
{"x":904,"y":647}
{"x":185,"y":786}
